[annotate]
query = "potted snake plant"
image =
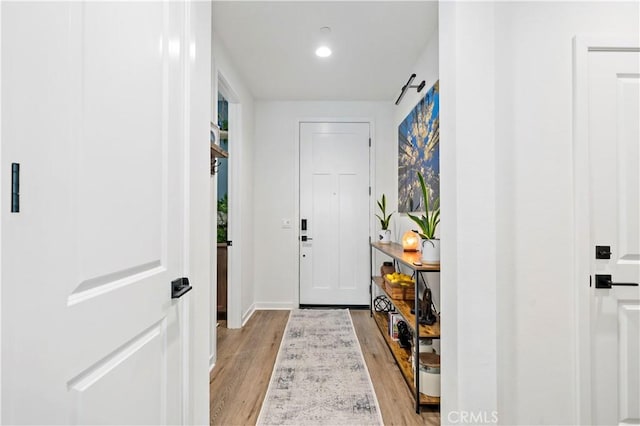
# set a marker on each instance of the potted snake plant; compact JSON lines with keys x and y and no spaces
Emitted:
{"x":384,"y":237}
{"x":428,"y":223}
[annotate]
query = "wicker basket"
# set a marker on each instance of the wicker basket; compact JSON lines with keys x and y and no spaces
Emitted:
{"x":399,"y":292}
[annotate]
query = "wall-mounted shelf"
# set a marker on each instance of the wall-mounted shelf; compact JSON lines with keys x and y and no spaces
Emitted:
{"x":216,"y":150}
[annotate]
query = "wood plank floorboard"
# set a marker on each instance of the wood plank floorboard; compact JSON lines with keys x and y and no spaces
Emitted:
{"x":240,"y":379}
{"x":394,"y":396}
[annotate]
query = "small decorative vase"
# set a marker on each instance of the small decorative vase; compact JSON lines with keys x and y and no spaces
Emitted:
{"x":387,"y":268}
{"x":431,"y":251}
{"x":384,"y":236}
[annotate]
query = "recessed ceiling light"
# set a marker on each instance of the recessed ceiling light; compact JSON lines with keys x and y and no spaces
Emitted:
{"x":323,"y":51}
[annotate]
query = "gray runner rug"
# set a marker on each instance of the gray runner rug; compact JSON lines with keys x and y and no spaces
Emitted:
{"x":320,"y":377}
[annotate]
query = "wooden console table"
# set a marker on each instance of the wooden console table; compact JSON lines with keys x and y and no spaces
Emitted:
{"x":403,"y":356}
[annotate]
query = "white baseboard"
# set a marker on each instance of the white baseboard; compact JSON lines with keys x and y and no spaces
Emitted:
{"x":274,"y":306}
{"x":247,"y":315}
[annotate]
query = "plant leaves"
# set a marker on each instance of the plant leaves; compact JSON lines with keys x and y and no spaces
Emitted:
{"x":384,"y":219}
{"x":431,"y":218}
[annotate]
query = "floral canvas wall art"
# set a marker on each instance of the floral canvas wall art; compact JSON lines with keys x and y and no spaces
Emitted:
{"x":419,"y":151}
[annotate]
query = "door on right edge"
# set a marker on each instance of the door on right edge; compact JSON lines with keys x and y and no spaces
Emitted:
{"x":614,"y":181}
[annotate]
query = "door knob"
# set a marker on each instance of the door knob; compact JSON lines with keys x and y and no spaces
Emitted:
{"x":604,"y":281}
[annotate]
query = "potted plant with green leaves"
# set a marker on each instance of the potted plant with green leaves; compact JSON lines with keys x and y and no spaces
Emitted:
{"x":384,"y":237}
{"x":223,"y":204}
{"x":428,"y":223}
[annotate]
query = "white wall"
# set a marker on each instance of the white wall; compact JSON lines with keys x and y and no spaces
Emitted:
{"x":199,"y":231}
{"x":276,"y":180}
{"x":426,"y":68}
{"x":535,"y":115}
{"x":467,"y":187}
{"x":240,"y":182}
{"x":240,"y":279}
{"x":506,"y":93}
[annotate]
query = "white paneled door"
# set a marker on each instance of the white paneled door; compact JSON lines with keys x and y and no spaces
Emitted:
{"x":614,"y":188}
{"x":334,"y":213}
{"x":94,"y":103}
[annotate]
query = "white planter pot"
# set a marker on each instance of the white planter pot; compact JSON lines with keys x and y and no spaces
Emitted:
{"x":384,"y":236}
{"x":430,"y":381}
{"x":431,"y":251}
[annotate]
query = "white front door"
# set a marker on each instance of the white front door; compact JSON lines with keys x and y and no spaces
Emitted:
{"x":334,"y":206}
{"x":614,"y":192}
{"x":93,"y":110}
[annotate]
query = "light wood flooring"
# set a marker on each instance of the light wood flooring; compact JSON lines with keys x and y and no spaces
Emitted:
{"x":239,"y":381}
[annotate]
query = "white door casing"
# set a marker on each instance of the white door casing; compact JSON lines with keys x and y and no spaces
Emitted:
{"x":235,"y":234}
{"x":334,"y":200}
{"x":607,"y":191}
{"x":94,"y":108}
{"x":236,"y":186}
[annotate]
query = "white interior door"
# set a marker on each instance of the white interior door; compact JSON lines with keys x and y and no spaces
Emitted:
{"x":93,"y":107}
{"x":334,"y":203}
{"x":614,"y":152}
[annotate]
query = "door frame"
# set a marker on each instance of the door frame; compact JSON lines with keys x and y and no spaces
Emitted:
{"x":234,"y":191}
{"x":582,"y":252}
{"x":2,"y":206}
{"x":372,"y":182}
{"x":197,"y":226}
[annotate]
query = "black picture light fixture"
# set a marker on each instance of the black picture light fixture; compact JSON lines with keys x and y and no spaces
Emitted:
{"x":409,"y":86}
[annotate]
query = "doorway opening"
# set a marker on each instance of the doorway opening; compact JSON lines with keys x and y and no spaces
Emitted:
{"x":222,"y":212}
{"x":228,"y":194}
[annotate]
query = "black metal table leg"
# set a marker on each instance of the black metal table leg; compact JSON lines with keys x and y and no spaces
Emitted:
{"x":416,"y":347}
{"x":370,"y":279}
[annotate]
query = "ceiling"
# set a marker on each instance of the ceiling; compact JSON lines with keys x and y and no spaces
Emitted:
{"x":374,"y":43}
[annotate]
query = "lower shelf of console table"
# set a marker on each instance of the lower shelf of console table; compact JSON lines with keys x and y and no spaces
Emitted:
{"x":403,"y":359}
